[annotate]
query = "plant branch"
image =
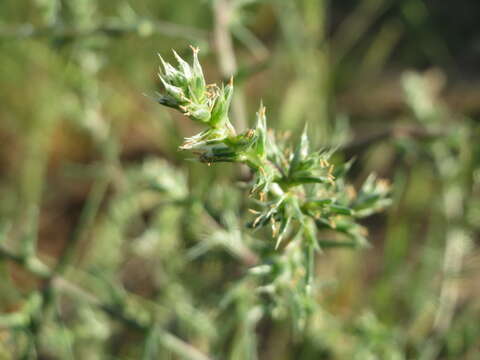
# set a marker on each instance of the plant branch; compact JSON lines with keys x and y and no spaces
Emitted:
{"x":143,"y":27}
{"x":297,"y":191}
{"x":39,"y":269}
{"x":222,"y":10}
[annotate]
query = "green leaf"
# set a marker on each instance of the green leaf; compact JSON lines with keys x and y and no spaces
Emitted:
{"x":261,"y":132}
{"x":301,"y":152}
{"x":185,"y":67}
{"x":219,"y":115}
{"x":173,"y":91}
{"x":198,"y":86}
{"x":283,"y":230}
{"x":343,"y":210}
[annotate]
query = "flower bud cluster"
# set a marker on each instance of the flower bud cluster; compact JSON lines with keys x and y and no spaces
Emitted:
{"x":299,"y":191}
{"x":186,"y":91}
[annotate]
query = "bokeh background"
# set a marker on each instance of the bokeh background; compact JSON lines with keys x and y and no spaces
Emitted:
{"x":92,"y":184}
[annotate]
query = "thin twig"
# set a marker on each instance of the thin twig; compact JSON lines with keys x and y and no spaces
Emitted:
{"x":87,"y":217}
{"x":222,"y":10}
{"x":243,"y":252}
{"x":395,"y":132}
{"x":142,"y":27}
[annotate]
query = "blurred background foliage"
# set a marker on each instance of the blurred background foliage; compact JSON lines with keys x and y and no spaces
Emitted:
{"x":112,"y":246}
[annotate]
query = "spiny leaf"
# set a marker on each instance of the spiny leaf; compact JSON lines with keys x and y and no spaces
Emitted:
{"x":186,"y":69}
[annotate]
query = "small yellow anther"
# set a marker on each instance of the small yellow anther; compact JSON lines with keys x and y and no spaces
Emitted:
{"x":194,"y":49}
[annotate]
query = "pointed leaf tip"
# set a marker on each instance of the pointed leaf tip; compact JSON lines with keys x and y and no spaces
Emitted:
{"x":186,"y":69}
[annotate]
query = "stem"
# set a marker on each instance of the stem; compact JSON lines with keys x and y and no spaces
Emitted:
{"x":142,"y":27}
{"x":222,"y":10}
{"x":91,"y":206}
{"x":242,"y":252}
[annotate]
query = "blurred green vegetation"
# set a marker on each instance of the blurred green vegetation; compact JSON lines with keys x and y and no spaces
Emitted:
{"x":113,"y":246}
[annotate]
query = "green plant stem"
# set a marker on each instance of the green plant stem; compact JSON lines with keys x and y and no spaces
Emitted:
{"x":142,"y":27}
{"x":392,"y":133}
{"x":242,"y":252}
{"x":457,"y":237}
{"x":91,"y":207}
{"x":222,"y":10}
